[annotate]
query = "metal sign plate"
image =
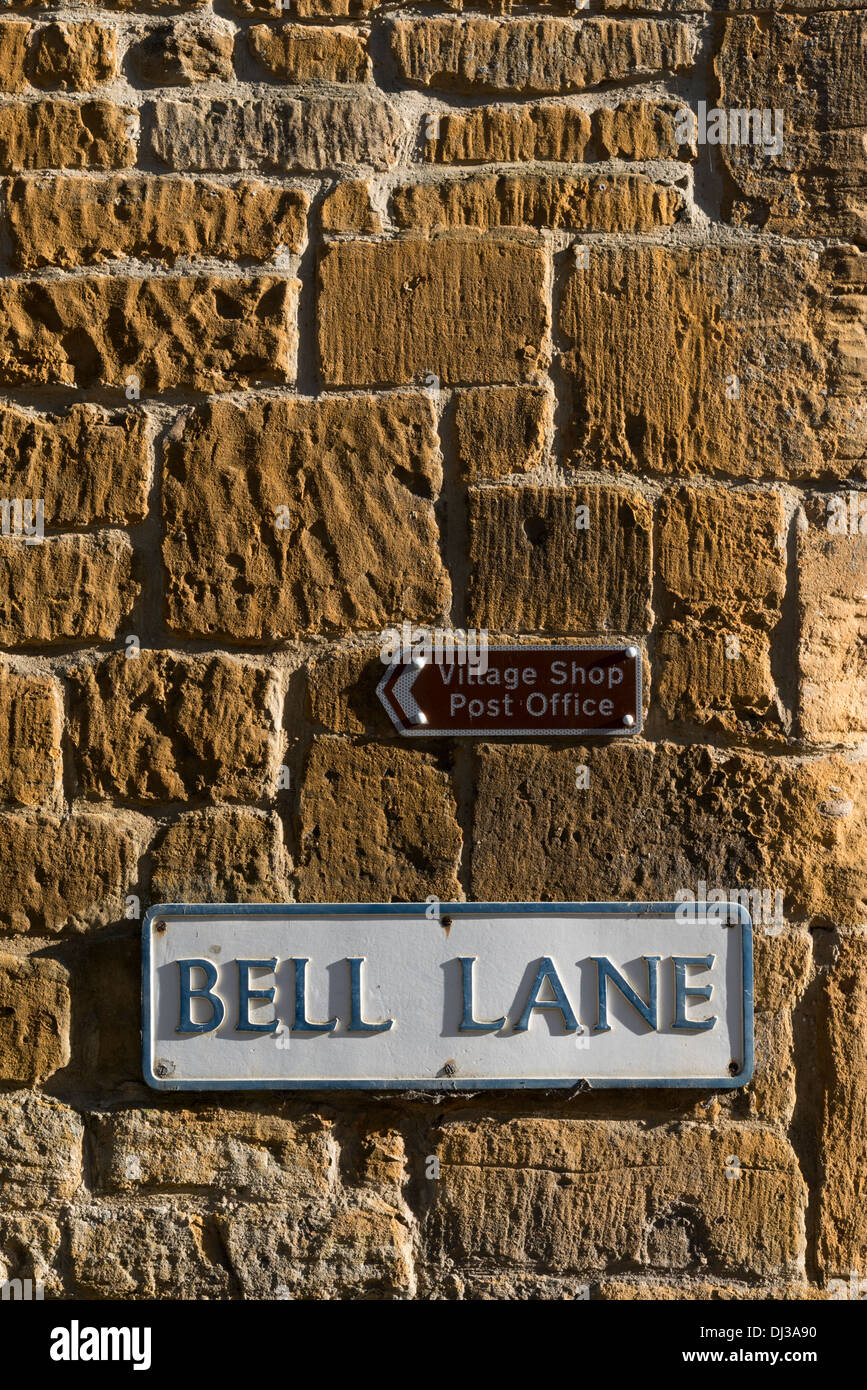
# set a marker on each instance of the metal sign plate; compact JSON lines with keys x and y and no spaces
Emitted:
{"x":524,"y":690}
{"x":447,"y":997}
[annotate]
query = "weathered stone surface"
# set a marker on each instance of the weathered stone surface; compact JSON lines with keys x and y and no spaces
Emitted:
{"x":352,"y":481}
{"x":348,"y":209}
{"x":467,"y":309}
{"x":511,"y":135}
{"x":34,"y":1018}
{"x":357,"y":1253}
{"x":812,"y":70}
{"x":640,"y":129}
{"x":13,"y":54}
{"x":205,"y":332}
{"x":724,"y":360}
{"x":832,"y":646}
{"x":181,"y":55}
{"x":729,"y":6}
{"x":82,"y":221}
{"x":65,"y":588}
{"x":381,"y":1156}
{"x":65,"y":873}
{"x":843,"y":1147}
{"x":40,"y":1150}
{"x":616,"y":1290}
{"x":301,"y":54}
{"x":684,"y":816}
{"x":105,"y":987}
{"x":65,"y":135}
{"x":704,"y":535}
{"x":533,"y":569}
{"x":771,"y":1094}
{"x":340,"y":692}
{"x":781,"y":967}
{"x":147,"y":1252}
{"x":718,"y":675}
{"x":149,"y":5}
{"x":280,"y":136}
{"x":86,"y":464}
{"x":511,"y":1287}
{"x":265,"y":1157}
{"x":601,"y":203}
{"x":234,"y":856}
{"x":164,"y":728}
{"x":579,"y":1195}
{"x":308,"y":9}
{"x":501,"y":429}
{"x":73,"y":57}
{"x":378,"y":824}
{"x":31,"y":720}
{"x":536,"y":55}
{"x":30,"y":1250}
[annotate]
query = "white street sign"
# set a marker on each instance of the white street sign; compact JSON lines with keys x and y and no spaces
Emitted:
{"x":439,"y":996}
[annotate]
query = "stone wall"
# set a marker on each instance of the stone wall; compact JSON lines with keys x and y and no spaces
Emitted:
{"x":321,"y":317}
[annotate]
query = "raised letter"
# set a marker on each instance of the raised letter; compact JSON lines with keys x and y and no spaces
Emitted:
{"x":605,"y":971}
{"x":356,"y":1022}
{"x":302,"y":1024}
{"x":469,"y":1023}
{"x":245,"y":994}
{"x":682,"y":993}
{"x":547,"y":972}
{"x":218,"y":1010}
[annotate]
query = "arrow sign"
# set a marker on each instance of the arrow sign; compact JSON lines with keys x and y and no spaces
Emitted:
{"x":516,"y":690}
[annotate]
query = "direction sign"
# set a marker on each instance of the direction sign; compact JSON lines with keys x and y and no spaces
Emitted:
{"x":447,"y":997}
{"x":555,"y":690}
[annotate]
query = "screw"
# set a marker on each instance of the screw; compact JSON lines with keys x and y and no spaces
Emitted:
{"x":450,"y":1067}
{"x":734,"y":1068}
{"x":628,"y":720}
{"x":161,"y":1069}
{"x":159,"y":926}
{"x":632,"y":652}
{"x":446,"y":921}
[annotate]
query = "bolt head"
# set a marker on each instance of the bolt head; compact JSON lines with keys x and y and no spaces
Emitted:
{"x":628,"y":720}
{"x":632,"y":652}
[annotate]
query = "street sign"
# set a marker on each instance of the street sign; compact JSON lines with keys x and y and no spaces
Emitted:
{"x":447,"y":996}
{"x":554,"y":690}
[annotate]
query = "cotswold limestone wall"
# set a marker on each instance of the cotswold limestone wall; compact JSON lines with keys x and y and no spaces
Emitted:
{"x":320,"y":318}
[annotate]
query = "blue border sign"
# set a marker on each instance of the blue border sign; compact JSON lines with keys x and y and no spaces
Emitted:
{"x":737,"y":918}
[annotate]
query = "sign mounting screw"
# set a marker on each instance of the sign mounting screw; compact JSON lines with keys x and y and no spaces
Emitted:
{"x":628,"y":720}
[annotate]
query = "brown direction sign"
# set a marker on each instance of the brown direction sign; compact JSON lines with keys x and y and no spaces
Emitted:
{"x":509,"y":691}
